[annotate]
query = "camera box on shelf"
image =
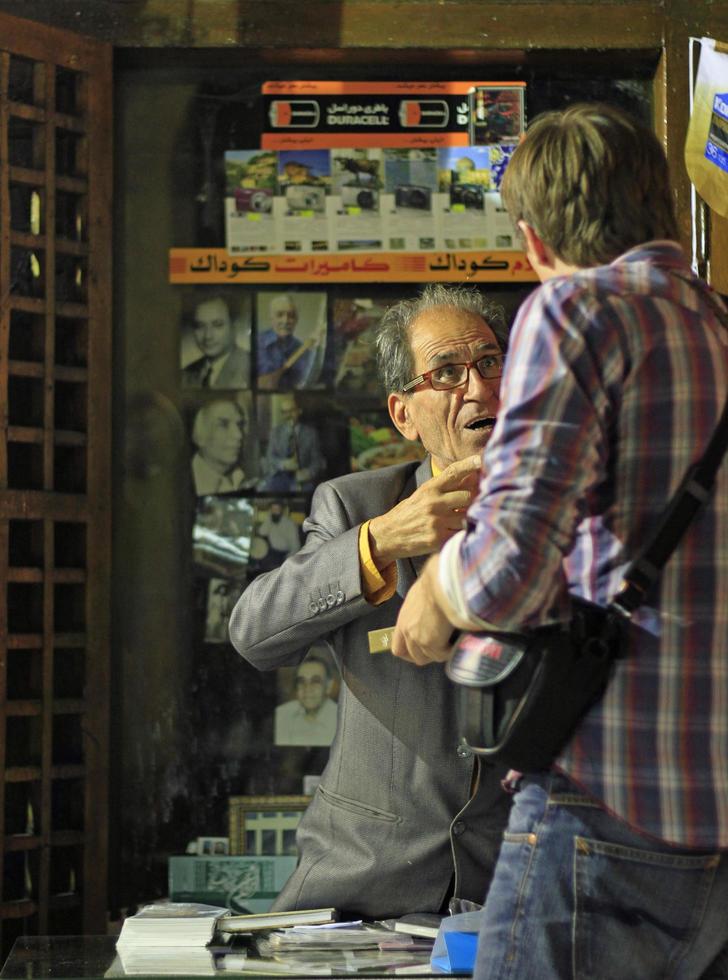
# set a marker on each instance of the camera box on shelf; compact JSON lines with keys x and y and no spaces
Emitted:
{"x":241,"y":883}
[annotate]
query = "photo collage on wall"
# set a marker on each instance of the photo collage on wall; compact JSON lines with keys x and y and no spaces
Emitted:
{"x":280,"y":383}
{"x":281,"y":392}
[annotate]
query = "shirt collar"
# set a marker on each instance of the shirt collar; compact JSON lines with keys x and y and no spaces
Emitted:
{"x":662,"y":252}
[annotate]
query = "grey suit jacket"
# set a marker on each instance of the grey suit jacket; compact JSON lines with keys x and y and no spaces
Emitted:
{"x":392,"y":821}
{"x":235,"y":371}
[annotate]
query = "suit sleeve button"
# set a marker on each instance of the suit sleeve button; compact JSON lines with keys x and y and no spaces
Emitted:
{"x":313,"y":606}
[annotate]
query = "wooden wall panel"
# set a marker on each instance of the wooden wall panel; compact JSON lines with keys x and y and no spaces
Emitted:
{"x":55,"y":373}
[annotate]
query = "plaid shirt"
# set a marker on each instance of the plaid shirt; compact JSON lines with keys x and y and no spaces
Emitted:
{"x":614,"y":382}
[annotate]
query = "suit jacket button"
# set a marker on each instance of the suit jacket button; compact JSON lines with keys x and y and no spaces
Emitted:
{"x":463,"y":750}
{"x":459,"y":827}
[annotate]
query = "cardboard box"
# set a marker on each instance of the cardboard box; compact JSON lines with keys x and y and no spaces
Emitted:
{"x":243,"y":884}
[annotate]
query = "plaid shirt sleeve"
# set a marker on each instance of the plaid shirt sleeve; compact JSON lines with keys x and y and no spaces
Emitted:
{"x":546,"y":455}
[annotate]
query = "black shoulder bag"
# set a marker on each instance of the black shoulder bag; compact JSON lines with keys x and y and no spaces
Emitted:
{"x":523,"y":694}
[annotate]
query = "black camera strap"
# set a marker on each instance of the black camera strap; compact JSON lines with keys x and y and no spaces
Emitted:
{"x":694,"y":491}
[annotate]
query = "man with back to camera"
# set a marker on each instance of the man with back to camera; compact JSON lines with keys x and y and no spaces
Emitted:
{"x":284,"y":361}
{"x":615,"y":863}
{"x":310,"y":718}
{"x":218,"y":432}
{"x":404,"y":817}
{"x":223,"y":364}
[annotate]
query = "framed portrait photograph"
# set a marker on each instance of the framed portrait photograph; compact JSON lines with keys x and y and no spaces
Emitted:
{"x":277,"y":532}
{"x":354,"y":327}
{"x":224,"y":450}
{"x":222,"y":594}
{"x":221,"y":540}
{"x":307,"y":695}
{"x":291,"y":340}
{"x":265,"y":824}
{"x":292,"y":450}
{"x":215,"y":338}
{"x":213,"y":845}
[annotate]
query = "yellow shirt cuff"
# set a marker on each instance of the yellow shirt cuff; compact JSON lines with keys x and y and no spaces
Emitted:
{"x":378,"y":586}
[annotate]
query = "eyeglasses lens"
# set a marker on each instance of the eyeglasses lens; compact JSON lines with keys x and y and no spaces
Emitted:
{"x":453,"y":375}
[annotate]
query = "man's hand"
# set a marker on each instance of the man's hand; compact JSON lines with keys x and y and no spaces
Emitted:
{"x":423,"y":634}
{"x":422,"y":523}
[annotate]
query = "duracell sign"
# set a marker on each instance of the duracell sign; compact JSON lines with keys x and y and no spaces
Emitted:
{"x":305,"y":114}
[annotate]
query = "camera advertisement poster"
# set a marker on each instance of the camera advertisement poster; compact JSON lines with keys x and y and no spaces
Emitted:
{"x":469,"y":200}
{"x":355,"y":199}
{"x":358,"y":184}
{"x":251,"y":181}
{"x":302,"y":211}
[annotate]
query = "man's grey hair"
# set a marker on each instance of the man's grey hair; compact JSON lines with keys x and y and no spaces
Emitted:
{"x":277,"y":298}
{"x":394,"y":351}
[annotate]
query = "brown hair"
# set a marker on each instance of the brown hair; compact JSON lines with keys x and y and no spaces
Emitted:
{"x":592,"y":181}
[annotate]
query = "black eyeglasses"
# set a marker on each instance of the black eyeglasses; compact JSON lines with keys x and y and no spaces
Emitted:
{"x":490,"y":367}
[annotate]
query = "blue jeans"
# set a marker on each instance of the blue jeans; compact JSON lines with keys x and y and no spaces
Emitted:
{"x":578,"y":895}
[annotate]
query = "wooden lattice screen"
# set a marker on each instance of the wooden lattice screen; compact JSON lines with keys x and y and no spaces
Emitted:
{"x":55,"y":339}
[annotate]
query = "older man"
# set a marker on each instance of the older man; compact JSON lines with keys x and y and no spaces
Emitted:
{"x":218,"y":432}
{"x":293,"y":459}
{"x":404,"y":817}
{"x":284,"y":361}
{"x":310,"y":718}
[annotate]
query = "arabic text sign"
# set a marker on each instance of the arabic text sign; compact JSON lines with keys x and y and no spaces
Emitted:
{"x":190,"y":265}
{"x":308,"y":114}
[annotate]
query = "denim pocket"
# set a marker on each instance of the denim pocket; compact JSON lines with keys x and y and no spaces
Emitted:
{"x":635,"y":911}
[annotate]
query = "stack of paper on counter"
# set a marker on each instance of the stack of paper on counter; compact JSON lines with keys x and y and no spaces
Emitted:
{"x":186,"y":924}
{"x":336,"y":948}
{"x":163,"y":961}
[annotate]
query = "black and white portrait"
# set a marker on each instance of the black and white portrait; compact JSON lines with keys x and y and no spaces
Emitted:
{"x":222,"y":448}
{"x":215,"y":339}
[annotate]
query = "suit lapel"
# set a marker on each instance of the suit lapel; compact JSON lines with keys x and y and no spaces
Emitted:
{"x":409,"y":568}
